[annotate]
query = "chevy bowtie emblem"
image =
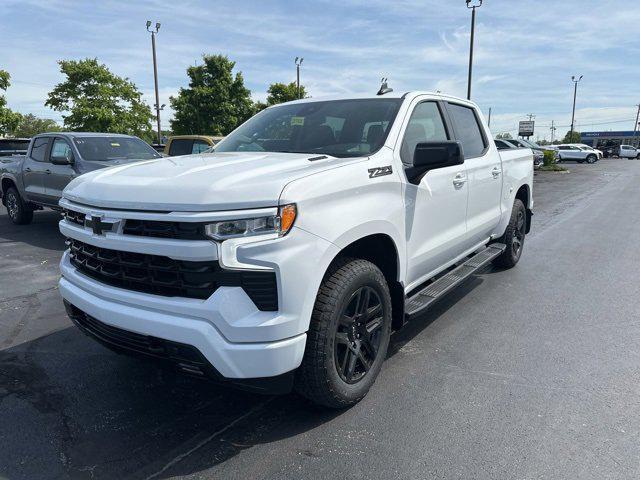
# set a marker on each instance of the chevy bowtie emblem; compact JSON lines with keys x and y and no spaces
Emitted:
{"x":96,"y":224}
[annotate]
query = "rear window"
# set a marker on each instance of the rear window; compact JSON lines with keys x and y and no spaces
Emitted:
{"x":468,"y":130}
{"x":114,"y":148}
{"x":39,"y":148}
{"x":181,"y":146}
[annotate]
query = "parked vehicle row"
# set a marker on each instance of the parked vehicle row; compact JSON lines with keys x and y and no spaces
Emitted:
{"x":538,"y":152}
{"x":284,"y":259}
{"x":37,"y":179}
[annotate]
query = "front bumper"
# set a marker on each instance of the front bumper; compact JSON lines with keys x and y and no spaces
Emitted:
{"x":234,"y":336}
{"x":119,"y":308}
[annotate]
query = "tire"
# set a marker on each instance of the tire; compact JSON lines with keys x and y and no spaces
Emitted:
{"x":591,"y":158}
{"x":18,"y":211}
{"x":341,"y":360}
{"x":513,"y":237}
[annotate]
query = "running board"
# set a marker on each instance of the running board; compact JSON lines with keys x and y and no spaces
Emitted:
{"x":425,"y":297}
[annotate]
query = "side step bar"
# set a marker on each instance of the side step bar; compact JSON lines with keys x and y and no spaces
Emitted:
{"x":421,"y":300}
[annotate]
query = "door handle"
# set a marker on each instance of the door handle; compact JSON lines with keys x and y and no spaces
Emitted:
{"x":496,"y":172}
{"x":27,"y":169}
{"x":47,"y":171}
{"x":459,"y":180}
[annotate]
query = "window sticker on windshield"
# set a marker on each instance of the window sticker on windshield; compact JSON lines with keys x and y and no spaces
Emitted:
{"x":297,"y":121}
{"x":114,"y":144}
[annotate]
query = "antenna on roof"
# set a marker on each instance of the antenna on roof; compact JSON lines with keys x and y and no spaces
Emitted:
{"x":384,"y":88}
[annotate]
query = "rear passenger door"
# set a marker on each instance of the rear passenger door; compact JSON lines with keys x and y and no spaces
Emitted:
{"x":34,"y":170}
{"x":484,"y":170}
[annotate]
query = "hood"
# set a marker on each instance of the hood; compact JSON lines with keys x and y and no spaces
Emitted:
{"x":205,"y":182}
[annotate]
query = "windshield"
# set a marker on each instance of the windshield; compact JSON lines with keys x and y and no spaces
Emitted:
{"x":531,"y":144}
{"x":114,"y":148}
{"x":340,"y":128}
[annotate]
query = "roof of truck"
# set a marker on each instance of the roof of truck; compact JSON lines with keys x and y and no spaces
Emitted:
{"x":85,"y":134}
{"x":394,"y":94}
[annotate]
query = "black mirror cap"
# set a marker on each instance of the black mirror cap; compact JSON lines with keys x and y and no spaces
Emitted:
{"x":432,"y":155}
{"x":62,"y":160}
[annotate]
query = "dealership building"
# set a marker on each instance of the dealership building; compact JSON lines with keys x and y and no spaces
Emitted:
{"x":610,"y":139}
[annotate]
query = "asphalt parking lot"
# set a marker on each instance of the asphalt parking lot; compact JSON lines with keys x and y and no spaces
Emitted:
{"x":528,"y":373}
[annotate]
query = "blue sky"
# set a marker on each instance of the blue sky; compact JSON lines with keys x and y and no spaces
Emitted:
{"x":526,"y":50}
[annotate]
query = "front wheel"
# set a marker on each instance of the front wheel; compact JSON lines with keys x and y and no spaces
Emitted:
{"x":592,"y":158}
{"x":348,"y":336}
{"x":513,"y":237}
{"x":18,"y":211}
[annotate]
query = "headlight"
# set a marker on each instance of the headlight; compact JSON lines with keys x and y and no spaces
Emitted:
{"x":279,"y":224}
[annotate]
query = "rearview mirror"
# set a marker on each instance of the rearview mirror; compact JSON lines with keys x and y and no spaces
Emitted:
{"x":431,"y":155}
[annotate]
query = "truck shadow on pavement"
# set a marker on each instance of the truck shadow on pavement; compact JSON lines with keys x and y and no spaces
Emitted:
{"x":69,"y":408}
{"x":42,"y":233}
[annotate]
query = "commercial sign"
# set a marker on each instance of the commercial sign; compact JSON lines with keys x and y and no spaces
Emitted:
{"x":525,"y":128}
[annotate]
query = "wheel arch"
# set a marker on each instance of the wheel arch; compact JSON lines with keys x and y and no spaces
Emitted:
{"x":524,"y":195}
{"x":381,"y":250}
{"x":5,"y":183}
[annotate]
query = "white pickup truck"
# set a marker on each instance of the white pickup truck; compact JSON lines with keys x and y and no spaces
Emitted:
{"x":286,"y":258}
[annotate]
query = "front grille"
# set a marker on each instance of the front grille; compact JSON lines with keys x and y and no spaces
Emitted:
{"x":74,"y":217}
{"x":168,"y":277}
{"x":186,"y":357}
{"x":154,"y":228}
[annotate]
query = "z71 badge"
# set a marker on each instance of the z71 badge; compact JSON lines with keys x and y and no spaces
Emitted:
{"x":380,"y":171}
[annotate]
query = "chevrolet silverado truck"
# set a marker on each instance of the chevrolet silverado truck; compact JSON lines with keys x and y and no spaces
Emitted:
{"x":36,"y":180}
{"x":286,"y":258}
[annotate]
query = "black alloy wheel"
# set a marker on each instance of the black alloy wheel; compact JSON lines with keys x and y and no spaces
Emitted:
{"x":358,"y":335}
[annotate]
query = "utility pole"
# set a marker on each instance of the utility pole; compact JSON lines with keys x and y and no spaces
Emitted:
{"x":531,"y":116}
{"x":635,"y":127}
{"x":298,"y":62}
{"x":489,"y":122}
{"x":573,"y":113}
{"x":154,"y":32}
{"x":553,"y":131}
{"x":473,"y":30}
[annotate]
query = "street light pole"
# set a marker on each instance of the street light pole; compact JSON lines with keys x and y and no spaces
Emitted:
{"x":154,"y":32}
{"x":575,"y":92}
{"x":298,"y":62}
{"x":473,"y":30}
{"x":635,"y":127}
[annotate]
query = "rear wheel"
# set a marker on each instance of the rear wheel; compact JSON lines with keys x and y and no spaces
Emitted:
{"x":18,"y":211}
{"x":348,"y":335}
{"x":513,"y":237}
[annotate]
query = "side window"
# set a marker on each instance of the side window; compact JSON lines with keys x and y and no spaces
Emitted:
{"x":60,"y":148}
{"x":180,"y":146}
{"x":425,"y":125}
{"x":39,"y":149}
{"x":468,"y":130}
{"x":199,"y":146}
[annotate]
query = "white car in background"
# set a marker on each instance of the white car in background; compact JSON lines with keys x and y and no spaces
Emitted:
{"x":627,"y":151}
{"x":579,"y":154}
{"x":584,"y":146}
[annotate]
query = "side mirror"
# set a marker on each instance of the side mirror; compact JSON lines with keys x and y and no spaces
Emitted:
{"x":431,"y":155}
{"x":66,"y":160}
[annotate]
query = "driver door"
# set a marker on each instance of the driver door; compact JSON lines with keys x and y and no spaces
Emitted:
{"x":435,"y":207}
{"x":60,"y":175}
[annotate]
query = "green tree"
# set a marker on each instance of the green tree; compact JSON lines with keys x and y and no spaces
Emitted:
{"x":30,"y":125}
{"x":98,"y":100}
{"x":571,"y":137}
{"x":504,"y":136}
{"x":8,"y":118}
{"x":281,"y":92}
{"x":215,"y":102}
